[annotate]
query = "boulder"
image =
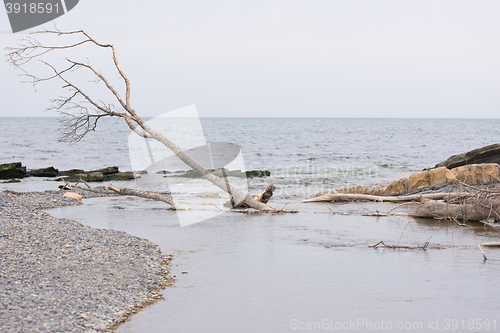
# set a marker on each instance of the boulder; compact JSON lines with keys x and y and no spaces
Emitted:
{"x":225,"y":172}
{"x":361,"y":189}
{"x":257,"y":173}
{"x":107,"y":171}
{"x":441,"y":176}
{"x":128,"y":175}
{"x":399,"y":187}
{"x":488,"y":154}
{"x":418,"y":180}
{"x":12,"y":170}
{"x":95,"y":177}
{"x":45,"y":172}
{"x":74,"y":178}
{"x":476,"y":174}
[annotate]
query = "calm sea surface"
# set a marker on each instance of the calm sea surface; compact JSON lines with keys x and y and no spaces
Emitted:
{"x":302,"y":272}
{"x":300,"y":152}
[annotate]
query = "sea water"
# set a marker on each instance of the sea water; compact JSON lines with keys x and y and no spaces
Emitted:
{"x":313,"y":270}
{"x":304,"y":155}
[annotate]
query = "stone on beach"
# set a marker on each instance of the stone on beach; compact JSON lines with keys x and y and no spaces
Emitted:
{"x":73,"y":195}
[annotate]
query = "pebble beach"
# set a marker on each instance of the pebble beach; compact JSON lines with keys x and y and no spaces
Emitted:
{"x":57,"y":275}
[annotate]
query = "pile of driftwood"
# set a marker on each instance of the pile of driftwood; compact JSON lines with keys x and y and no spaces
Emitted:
{"x":461,"y":202}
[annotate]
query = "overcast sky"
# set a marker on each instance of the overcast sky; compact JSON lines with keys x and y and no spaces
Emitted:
{"x":290,"y":58}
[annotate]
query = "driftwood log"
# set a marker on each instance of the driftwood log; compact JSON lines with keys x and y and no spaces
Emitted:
{"x":111,"y":189}
{"x":367,"y":197}
{"x":474,"y":211}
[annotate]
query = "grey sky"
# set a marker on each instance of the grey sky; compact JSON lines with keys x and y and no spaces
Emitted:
{"x":291,"y":58}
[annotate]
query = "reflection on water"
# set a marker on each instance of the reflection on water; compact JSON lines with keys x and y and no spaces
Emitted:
{"x":281,"y":273}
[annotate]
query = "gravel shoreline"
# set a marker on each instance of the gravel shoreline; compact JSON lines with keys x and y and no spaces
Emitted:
{"x":57,"y":275}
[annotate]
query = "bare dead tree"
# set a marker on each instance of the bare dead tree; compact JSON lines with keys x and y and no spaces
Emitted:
{"x":82,"y":111}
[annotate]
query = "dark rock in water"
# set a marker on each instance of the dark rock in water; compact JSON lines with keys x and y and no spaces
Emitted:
{"x":222,"y":172}
{"x":258,"y":173}
{"x":12,"y":170}
{"x":107,"y":171}
{"x":99,"y":177}
{"x":45,"y":172}
{"x":488,"y":154}
{"x":71,"y":172}
{"x":128,"y":175}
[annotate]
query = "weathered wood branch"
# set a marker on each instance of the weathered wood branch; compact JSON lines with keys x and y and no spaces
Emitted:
{"x":367,"y":197}
{"x":465,"y":212}
{"x":382,"y":244}
{"x":149,"y":195}
{"x":113,"y":190}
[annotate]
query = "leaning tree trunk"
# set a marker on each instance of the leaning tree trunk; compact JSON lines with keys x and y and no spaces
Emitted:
{"x":238,"y":195}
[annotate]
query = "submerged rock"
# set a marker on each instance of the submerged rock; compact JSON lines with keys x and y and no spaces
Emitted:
{"x":488,"y":154}
{"x":12,"y":170}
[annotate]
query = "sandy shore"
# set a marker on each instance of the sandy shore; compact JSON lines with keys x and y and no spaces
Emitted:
{"x":57,"y":275}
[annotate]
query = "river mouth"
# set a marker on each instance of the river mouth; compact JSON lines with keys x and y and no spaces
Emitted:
{"x":278,"y":273}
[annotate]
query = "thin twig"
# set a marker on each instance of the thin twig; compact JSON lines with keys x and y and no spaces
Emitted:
{"x":403,"y":232}
{"x":404,"y":203}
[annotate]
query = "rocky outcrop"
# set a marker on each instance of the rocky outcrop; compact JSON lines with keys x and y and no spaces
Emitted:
{"x":474,"y":174}
{"x":12,"y":170}
{"x":488,"y":154}
{"x":45,"y":172}
{"x":71,"y":172}
{"x":99,"y":177}
{"x":108,"y":170}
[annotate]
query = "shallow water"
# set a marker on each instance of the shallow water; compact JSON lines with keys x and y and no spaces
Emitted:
{"x":279,"y":273}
